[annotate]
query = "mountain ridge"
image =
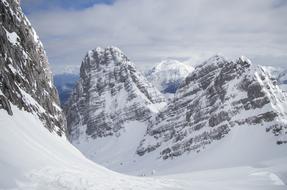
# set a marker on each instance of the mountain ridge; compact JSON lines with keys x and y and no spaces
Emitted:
{"x":34,"y":158}
{"x":207,"y":98}
{"x":214,"y":100}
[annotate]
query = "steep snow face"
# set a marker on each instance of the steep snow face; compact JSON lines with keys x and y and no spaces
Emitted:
{"x":214,"y":99}
{"x":110,"y":93}
{"x":25,"y":78}
{"x":168,"y":74}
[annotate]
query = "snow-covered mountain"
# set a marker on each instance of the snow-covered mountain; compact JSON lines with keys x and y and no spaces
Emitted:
{"x":216,"y":98}
{"x":25,"y":78}
{"x":109,"y":94}
{"x":34,"y":158}
{"x":216,"y":106}
{"x":168,"y":74}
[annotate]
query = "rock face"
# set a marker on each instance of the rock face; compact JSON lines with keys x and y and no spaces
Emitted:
{"x":168,"y":75}
{"x":109,"y":93}
{"x":25,"y":78}
{"x":215,"y":98}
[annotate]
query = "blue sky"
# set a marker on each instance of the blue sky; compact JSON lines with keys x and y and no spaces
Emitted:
{"x":149,"y":31}
{"x":31,"y":6}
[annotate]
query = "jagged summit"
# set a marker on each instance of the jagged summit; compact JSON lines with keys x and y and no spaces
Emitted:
{"x":244,"y":59}
{"x":213,"y":60}
{"x":109,"y":93}
{"x":112,"y":50}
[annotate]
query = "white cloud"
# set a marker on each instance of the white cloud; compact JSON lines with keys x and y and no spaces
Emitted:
{"x":149,"y":30}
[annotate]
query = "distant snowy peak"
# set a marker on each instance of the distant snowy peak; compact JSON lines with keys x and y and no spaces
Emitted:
{"x":168,"y":74}
{"x":279,"y":74}
{"x":110,"y":93}
{"x":170,"y":64}
{"x":218,"y":96}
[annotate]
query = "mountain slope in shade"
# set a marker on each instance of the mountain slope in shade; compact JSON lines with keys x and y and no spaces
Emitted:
{"x":168,"y":74}
{"x":109,"y":94}
{"x":25,"y":78}
{"x":218,"y":97}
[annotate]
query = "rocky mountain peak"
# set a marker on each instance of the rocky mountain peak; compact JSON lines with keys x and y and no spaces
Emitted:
{"x":111,"y":54}
{"x":214,"y":61}
{"x":101,"y":57}
{"x":110,"y":92}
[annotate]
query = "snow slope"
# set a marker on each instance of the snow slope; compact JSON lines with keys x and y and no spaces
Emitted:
{"x":33,"y":158}
{"x":117,"y":153}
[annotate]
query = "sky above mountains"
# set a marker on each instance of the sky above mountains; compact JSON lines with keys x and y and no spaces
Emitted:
{"x":149,"y":31}
{"x":31,"y":6}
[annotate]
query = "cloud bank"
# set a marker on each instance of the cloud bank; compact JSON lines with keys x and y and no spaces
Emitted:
{"x":149,"y":31}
